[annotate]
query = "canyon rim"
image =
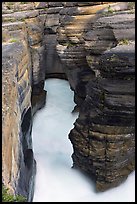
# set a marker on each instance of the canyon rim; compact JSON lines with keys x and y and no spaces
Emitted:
{"x":90,"y":44}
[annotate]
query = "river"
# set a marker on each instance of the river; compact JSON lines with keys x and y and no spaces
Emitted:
{"x":56,"y":181}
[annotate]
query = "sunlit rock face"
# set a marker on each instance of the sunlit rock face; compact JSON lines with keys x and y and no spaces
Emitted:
{"x":103,"y":137}
{"x":92,"y":45}
{"x":19,"y":79}
{"x":97,"y":48}
{"x":75,"y":22}
{"x":104,"y":134}
{"x":17,"y":119}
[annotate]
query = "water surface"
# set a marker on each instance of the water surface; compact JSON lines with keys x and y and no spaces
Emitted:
{"x":55,"y":180}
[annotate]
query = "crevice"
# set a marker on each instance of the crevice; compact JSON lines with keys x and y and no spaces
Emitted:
{"x":26,"y":122}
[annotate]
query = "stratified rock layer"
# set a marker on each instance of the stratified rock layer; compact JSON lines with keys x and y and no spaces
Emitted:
{"x":92,"y":45}
{"x":104,"y":134}
{"x":17,"y":119}
{"x":22,"y":94}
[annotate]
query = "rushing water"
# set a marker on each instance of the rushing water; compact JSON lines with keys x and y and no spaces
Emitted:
{"x":56,"y":181}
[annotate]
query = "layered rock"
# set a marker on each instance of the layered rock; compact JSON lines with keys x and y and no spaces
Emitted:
{"x":92,"y":45}
{"x":17,"y":119}
{"x":104,"y":134}
{"x":76,"y":20}
{"x":37,"y":49}
{"x":23,"y":82}
{"x":53,"y":64}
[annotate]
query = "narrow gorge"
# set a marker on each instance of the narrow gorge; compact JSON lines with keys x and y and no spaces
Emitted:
{"x":92,"y":46}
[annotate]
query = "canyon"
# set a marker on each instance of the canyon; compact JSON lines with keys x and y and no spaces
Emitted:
{"x":92,"y":45}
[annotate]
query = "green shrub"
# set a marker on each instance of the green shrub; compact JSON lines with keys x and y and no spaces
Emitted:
{"x":13,"y":40}
{"x":131,"y":5}
{"x":7,"y":197}
{"x":124,"y":42}
{"x":110,"y":10}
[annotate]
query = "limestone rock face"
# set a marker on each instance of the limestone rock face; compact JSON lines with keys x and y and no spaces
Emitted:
{"x":92,"y":45}
{"x":19,"y":76}
{"x":75,"y":22}
{"x":17,"y":120}
{"x":104,"y":134}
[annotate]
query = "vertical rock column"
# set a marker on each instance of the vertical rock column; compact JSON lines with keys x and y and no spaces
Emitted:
{"x":104,"y":134}
{"x":17,"y":119}
{"x":18,"y":164}
{"x":53,"y":64}
{"x":35,"y":30}
{"x":76,"y":19}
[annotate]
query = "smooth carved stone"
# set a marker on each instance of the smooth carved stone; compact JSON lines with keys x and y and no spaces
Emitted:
{"x":37,"y":54}
{"x":109,"y":105}
{"x":73,"y":48}
{"x":16,"y":102}
{"x":52,"y":67}
{"x":92,"y":45}
{"x":38,"y":101}
{"x":108,"y":111}
{"x":10,"y":115}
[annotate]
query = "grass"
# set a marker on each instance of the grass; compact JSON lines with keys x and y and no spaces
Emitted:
{"x":7,"y":197}
{"x":109,"y":11}
{"x":90,"y":60}
{"x":12,"y":40}
{"x":9,"y":3}
{"x":113,"y":58}
{"x":102,"y":98}
{"x":131,"y":5}
{"x":69,"y":44}
{"x":124,"y":42}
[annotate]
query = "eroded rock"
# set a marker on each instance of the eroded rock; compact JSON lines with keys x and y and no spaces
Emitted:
{"x":92,"y":45}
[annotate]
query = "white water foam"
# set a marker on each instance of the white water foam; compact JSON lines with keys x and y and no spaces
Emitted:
{"x":56,"y":181}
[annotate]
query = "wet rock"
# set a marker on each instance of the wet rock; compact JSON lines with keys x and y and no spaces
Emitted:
{"x":16,"y":101}
{"x":92,"y":45}
{"x":103,"y":137}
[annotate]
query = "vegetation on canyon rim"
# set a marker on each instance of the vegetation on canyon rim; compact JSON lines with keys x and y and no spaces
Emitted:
{"x":7,"y":197}
{"x":97,"y":60}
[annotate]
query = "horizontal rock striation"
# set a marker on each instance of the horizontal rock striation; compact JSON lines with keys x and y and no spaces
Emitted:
{"x":17,"y":118}
{"x":92,"y":45}
{"x":104,"y":134}
{"x":76,"y":24}
{"x":23,"y":94}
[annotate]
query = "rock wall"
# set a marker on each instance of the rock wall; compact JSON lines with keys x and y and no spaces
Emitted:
{"x":97,"y":45}
{"x":17,"y":118}
{"x":100,"y":61}
{"x":92,"y":45}
{"x":23,"y":94}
